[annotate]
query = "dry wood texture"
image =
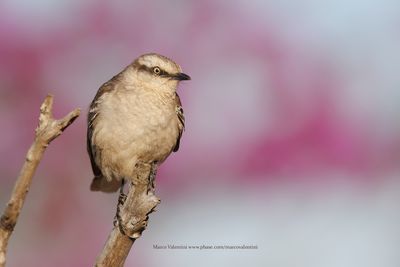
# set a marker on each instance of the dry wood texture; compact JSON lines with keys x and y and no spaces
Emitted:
{"x":132,"y":216}
{"x":47,"y":130}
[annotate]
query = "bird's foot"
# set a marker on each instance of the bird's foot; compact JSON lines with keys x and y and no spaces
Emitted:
{"x":152,"y":176}
{"x":121,"y":201}
{"x":132,"y":221}
{"x":129,"y":226}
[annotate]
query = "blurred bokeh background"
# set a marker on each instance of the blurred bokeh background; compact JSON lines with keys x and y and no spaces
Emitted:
{"x":292,"y":140}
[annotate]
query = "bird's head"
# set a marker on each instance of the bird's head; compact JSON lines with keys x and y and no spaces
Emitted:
{"x":157,"y":71}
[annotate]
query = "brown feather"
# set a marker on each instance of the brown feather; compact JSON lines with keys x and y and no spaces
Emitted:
{"x":181,"y":118}
{"x":93,"y":113}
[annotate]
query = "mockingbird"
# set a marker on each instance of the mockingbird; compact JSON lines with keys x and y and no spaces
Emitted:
{"x":136,"y":117}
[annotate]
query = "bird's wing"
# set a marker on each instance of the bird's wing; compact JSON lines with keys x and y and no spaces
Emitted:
{"x":92,"y":115}
{"x":181,"y":121}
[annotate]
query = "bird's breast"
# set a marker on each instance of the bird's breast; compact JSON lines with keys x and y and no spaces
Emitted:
{"x":141,"y":122}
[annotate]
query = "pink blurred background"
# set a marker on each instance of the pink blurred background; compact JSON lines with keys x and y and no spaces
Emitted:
{"x":292,"y":140}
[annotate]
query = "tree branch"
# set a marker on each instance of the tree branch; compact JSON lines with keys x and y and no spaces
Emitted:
{"x":132,"y":216}
{"x":47,"y":130}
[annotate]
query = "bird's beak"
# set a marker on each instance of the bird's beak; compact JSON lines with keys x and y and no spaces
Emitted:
{"x":180,"y":76}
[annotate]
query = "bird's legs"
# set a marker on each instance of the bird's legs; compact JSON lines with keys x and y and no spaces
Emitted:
{"x":152,"y":175}
{"x":121,"y":200}
{"x":122,"y":195}
{"x":132,"y":224}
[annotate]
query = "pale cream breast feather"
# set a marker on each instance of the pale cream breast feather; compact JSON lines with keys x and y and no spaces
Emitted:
{"x":133,"y":124}
{"x":135,"y":116}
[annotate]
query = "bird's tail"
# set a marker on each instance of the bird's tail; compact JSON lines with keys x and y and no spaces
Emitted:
{"x":100,"y":183}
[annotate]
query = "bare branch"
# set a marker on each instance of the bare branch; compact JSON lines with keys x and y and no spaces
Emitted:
{"x":132,"y":216}
{"x":47,"y":130}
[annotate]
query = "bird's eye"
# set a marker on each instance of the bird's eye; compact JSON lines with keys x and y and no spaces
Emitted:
{"x":156,"y":70}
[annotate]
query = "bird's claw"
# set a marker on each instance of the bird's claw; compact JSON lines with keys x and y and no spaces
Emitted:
{"x":121,"y":201}
{"x":152,"y":176}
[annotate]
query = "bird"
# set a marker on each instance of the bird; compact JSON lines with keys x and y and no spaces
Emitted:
{"x":135,"y":117}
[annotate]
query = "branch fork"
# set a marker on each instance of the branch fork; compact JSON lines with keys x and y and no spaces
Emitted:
{"x":133,"y":209}
{"x":47,"y":130}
